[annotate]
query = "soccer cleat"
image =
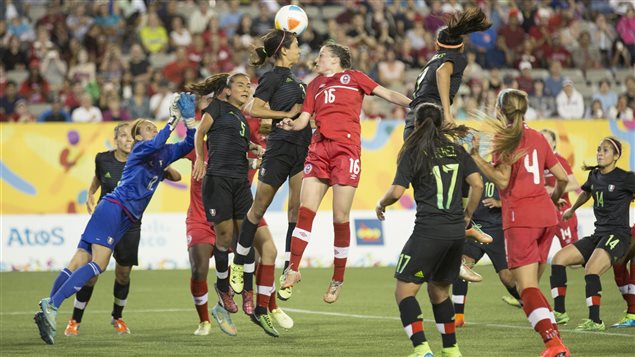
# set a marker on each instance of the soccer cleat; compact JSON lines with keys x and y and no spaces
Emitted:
{"x":333,"y":291}
{"x":290,"y":278}
{"x":281,"y":318}
{"x":120,"y":326}
{"x":224,"y":320}
{"x":561,"y":317}
{"x":264,"y":321}
{"x":467,"y":274}
{"x":459,"y":320}
{"x":72,"y":329}
{"x":284,"y":294}
{"x":248,"y":301}
{"x":627,"y":321}
{"x":49,"y":313}
{"x":237,"y":277}
{"x":204,"y":329}
{"x":590,"y":325}
{"x":478,"y":235}
{"x":555,"y":348}
{"x":451,"y":351}
{"x":423,"y":350}
{"x":46,"y":333}
{"x":226,"y":300}
{"x":512,"y":301}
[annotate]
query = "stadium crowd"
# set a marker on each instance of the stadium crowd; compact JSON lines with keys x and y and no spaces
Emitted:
{"x":119,"y":60}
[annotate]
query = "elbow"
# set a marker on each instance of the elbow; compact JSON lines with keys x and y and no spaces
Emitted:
{"x":502,"y":184}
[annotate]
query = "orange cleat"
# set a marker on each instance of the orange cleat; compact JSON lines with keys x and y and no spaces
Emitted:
{"x":555,"y":348}
{"x":120,"y":326}
{"x":478,"y":235}
{"x":459,"y":320}
{"x":72,"y":329}
{"x":291,"y":277}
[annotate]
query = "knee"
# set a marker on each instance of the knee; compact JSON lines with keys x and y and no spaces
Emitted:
{"x":558,"y":259}
{"x":198,"y":273}
{"x":340,"y":217}
{"x":438,"y":294}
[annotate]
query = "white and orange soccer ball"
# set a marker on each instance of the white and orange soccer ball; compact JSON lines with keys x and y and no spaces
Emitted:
{"x":291,"y":18}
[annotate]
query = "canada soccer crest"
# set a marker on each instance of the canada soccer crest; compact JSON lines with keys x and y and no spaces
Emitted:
{"x":345,"y":79}
{"x":307,"y":169}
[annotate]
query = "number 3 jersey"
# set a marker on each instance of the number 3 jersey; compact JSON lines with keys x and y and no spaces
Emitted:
{"x":227,"y":141}
{"x":525,"y":201}
{"x":612,"y":194}
{"x":439,"y":193}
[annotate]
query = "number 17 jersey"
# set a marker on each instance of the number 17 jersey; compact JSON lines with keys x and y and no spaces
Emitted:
{"x":525,"y":201}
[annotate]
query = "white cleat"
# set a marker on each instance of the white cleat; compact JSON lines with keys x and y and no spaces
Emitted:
{"x":204,"y":329}
{"x":281,"y":318}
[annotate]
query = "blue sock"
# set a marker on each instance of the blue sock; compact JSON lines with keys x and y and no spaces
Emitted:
{"x":75,"y":282}
{"x":60,"y":280}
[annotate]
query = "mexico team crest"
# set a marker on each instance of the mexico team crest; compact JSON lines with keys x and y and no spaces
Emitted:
{"x":308,"y":169}
{"x":212,"y":212}
{"x":611,"y":188}
{"x":345,"y":79}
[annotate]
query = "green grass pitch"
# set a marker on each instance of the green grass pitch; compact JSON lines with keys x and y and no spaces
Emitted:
{"x":364,"y":322}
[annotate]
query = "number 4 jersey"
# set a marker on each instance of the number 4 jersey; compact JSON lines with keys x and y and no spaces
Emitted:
{"x":525,"y":200}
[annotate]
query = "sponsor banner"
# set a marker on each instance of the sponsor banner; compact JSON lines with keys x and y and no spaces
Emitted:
{"x":47,"y":167}
{"x":47,"y":242}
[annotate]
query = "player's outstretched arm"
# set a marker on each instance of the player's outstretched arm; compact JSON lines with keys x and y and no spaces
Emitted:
{"x":297,"y":124}
{"x":185,"y":108}
{"x":444,"y":72}
{"x":391,"y":196}
{"x":198,"y":171}
{"x":582,"y":199}
{"x":258,"y":108}
{"x":392,"y":96}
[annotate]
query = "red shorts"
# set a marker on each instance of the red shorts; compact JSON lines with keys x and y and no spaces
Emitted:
{"x":337,"y":163}
{"x":527,"y":245}
{"x":567,"y":232}
{"x":200,"y":234}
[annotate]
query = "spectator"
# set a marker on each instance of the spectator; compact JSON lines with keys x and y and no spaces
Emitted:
{"x":482,"y":42}
{"x":595,"y":111}
{"x":525,"y":80}
{"x":153,"y":35}
{"x":43,"y":45}
{"x":499,"y":56}
{"x":22,"y":113}
{"x":513,"y":34}
{"x":544,"y":105}
{"x":570,"y":102}
{"x":262,"y":22}
{"x":434,"y":20}
{"x":556,"y":52}
{"x":626,"y":29}
{"x":451,"y":7}
{"x":4,"y":33}
{"x":179,"y":36}
{"x":553,"y":83}
{"x":86,"y":112}
{"x":630,"y":91}
{"x":138,"y":64}
{"x":53,"y":69}
{"x":52,"y":16}
{"x":109,"y":20}
{"x":358,"y":36}
{"x":603,"y":36}
{"x":416,"y":35}
{"x":112,"y":65}
{"x":83,"y":71}
{"x":70,"y":94}
{"x":139,"y":103}
{"x":586,"y":57}
{"x":21,"y":28}
{"x":621,"y":110}
{"x":115,"y":112}
{"x":9,"y":99}
{"x":173,"y":71}
{"x":408,"y":55}
{"x":621,"y":56}
{"x":78,"y":22}
{"x":392,"y":71}
{"x":13,"y":57}
{"x":35,"y":89}
{"x":244,"y":34}
{"x":55,"y":113}
{"x":160,"y":102}
{"x":201,"y":17}
{"x":529,"y":54}
{"x":167,"y":13}
{"x":230,"y":19}
{"x":605,"y":95}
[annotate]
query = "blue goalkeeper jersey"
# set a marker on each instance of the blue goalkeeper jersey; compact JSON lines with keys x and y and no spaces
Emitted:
{"x":145,"y":168}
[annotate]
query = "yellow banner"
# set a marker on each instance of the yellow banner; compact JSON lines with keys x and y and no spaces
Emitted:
{"x":47,"y":167}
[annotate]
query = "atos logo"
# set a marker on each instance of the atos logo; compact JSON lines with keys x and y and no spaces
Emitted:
{"x":29,"y":237}
{"x":369,"y":232}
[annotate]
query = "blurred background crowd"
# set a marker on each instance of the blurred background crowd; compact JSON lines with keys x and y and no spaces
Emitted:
{"x":112,"y":60}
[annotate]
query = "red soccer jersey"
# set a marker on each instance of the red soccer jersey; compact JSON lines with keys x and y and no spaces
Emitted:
{"x":525,"y":202}
{"x":550,"y":180}
{"x":336,"y":102}
{"x":196,"y":211}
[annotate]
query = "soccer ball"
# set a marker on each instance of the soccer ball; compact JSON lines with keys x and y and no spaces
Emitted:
{"x":291,"y":18}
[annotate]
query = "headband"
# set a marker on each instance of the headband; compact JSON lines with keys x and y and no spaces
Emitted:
{"x":617,"y":148}
{"x":449,"y":46}
{"x":284,"y":34}
{"x":501,"y":96}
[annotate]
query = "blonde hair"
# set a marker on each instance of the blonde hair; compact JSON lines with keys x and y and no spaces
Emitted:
{"x":507,"y":127}
{"x":134,"y":129}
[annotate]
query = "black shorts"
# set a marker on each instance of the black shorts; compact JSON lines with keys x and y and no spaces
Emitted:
{"x":616,"y":245}
{"x":226,"y":198}
{"x":281,"y":160}
{"x":126,"y":252}
{"x":495,"y":250}
{"x":410,"y":124}
{"x":424,"y":259}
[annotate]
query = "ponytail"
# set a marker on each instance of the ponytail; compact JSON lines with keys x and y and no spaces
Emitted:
{"x":273,"y":42}
{"x":214,"y":84}
{"x":471,"y":20}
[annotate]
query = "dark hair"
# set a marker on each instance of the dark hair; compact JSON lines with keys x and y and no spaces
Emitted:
{"x":213,"y":84}
{"x":604,"y":80}
{"x":616,"y":145}
{"x":273,"y":41}
{"x":459,"y":24}
{"x":342,"y":52}
{"x":119,"y":127}
{"x":429,"y":137}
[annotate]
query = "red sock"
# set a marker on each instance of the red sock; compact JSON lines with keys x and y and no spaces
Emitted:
{"x":551,"y":316}
{"x":630,"y":290}
{"x":264,"y":285}
{"x":273,"y":304}
{"x":301,"y":236}
{"x":341,"y":243}
{"x":538,"y":313}
{"x":199,"y":293}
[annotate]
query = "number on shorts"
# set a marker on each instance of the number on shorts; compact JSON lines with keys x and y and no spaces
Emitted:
{"x":599,"y":199}
{"x":532,"y":167}
{"x":329,"y":96}
{"x":354,"y":166}
{"x":612,"y":241}
{"x":436,"y":170}
{"x":152,"y":182}
{"x":489,"y":189}
{"x":403,"y":261}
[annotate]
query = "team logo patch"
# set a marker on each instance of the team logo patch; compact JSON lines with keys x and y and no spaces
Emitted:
{"x":212,"y":212}
{"x":308,"y":168}
{"x":345,"y":79}
{"x":369,"y":232}
{"x":611,"y":188}
{"x":111,"y":240}
{"x":263,"y":171}
{"x":189,"y":239}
